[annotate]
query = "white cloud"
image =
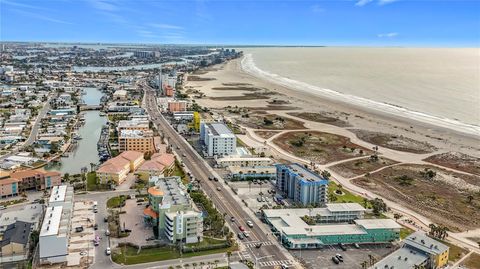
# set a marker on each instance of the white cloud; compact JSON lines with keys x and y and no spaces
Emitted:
{"x":39,"y":16}
{"x":104,"y":5}
{"x":384,"y":2}
{"x":165,"y":26}
{"x":361,"y":3}
{"x":317,"y":9}
{"x":388,"y":35}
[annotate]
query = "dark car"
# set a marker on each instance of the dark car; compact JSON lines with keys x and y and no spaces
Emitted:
{"x":105,"y":219}
{"x":240,"y":236}
{"x":95,"y":227}
{"x":342,"y":246}
{"x":79,"y":229}
{"x":216,"y":179}
{"x":335,"y":260}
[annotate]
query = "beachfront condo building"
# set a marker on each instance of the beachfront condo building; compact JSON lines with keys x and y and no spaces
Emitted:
{"x":302,"y":185}
{"x":217,"y":139}
{"x":172,"y":211}
{"x":136,"y":140}
{"x":176,"y":106}
{"x":330,"y":225}
{"x":418,"y":251}
{"x":8,"y":187}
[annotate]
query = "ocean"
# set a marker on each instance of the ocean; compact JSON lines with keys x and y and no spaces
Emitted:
{"x":440,"y":86}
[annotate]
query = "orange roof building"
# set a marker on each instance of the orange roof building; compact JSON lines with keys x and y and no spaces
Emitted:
{"x":116,"y":169}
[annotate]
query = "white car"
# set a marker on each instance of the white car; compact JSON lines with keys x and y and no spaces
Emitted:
{"x":108,"y":251}
{"x":107,"y":233}
{"x":250,"y":223}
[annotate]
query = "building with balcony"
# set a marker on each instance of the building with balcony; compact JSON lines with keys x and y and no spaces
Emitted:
{"x":176,"y":106}
{"x":9,"y":187}
{"x":36,"y":179}
{"x":243,"y":161}
{"x":172,"y":211}
{"x":158,"y":165}
{"x":302,"y":185}
{"x":136,"y":140}
{"x":116,"y":169}
{"x":217,"y":139}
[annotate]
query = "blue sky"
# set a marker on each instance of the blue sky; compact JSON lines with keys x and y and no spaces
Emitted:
{"x":345,"y":23}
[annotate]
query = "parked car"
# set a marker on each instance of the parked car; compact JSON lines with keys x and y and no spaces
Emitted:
{"x":215,"y":179}
{"x":250,"y":223}
{"x":108,"y":251}
{"x":342,"y":246}
{"x":219,"y":189}
{"x":339,"y":257}
{"x":210,"y":178}
{"x":284,"y":266}
{"x":356,"y":245}
{"x":2,"y":207}
{"x":335,"y":260}
{"x":79,"y":229}
{"x":105,"y":219}
{"x":95,"y":227}
{"x":107,"y":232}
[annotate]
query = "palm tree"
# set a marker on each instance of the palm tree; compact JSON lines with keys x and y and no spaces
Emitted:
{"x":364,"y":264}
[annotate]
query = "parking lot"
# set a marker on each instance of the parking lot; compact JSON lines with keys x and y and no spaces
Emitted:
{"x":352,"y":257}
{"x":81,"y":242}
{"x":133,"y":220}
{"x":250,"y":192}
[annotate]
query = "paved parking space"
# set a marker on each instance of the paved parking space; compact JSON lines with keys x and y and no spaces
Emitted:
{"x":81,"y":243}
{"x":353,"y":258}
{"x":250,"y":193}
{"x":133,"y":220}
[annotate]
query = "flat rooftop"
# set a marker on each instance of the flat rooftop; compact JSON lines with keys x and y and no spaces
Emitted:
{"x":219,"y":129}
{"x":135,"y":133}
{"x":328,"y":210}
{"x":55,"y":221}
{"x":304,"y":173}
{"x":174,"y":192}
{"x":58,"y":194}
{"x":424,"y":243}
{"x":372,"y":224}
{"x":403,"y":258}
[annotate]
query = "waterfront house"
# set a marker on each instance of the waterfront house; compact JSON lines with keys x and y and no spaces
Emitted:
{"x":37,"y":179}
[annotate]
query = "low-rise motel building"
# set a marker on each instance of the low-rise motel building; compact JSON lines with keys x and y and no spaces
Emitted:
{"x":158,"y":165}
{"x":418,"y":251}
{"x":56,"y":226}
{"x":172,"y":210}
{"x":332,"y":224}
{"x":22,"y":180}
{"x":115,"y":170}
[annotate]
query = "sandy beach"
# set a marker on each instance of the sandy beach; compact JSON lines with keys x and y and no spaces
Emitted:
{"x":274,"y":118}
{"x":357,"y":118}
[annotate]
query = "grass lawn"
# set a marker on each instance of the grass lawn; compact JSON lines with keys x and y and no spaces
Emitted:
{"x":156,"y":254}
{"x":346,"y":197}
{"x":473,"y":261}
{"x":404,"y":232}
{"x":178,"y":171}
{"x":206,"y":242}
{"x":92,"y":184}
{"x":115,"y":202}
{"x":455,"y":252}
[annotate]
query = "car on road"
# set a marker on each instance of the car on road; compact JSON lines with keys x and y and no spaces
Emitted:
{"x":210,"y":178}
{"x":232,"y":219}
{"x":2,"y":207}
{"x":246,"y":234}
{"x":241,"y":228}
{"x":250,"y":223}
{"x":95,"y":210}
{"x":95,"y":227}
{"x":184,"y":155}
{"x":219,"y":189}
{"x":284,"y":266}
{"x":240,"y":236}
{"x":335,"y":260}
{"x":107,"y":232}
{"x":108,"y":251}
{"x":215,"y":179}
{"x":259,"y":245}
{"x":105,"y":219}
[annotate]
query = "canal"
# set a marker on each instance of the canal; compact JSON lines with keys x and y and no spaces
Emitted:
{"x":86,"y":151}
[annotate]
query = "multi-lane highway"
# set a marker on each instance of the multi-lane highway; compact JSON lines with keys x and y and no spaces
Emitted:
{"x":270,"y":254}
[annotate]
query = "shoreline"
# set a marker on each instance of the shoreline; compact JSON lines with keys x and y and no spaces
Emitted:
{"x":292,"y":100}
{"x":383,"y":109}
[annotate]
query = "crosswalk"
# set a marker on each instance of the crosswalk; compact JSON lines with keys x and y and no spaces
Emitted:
{"x":246,"y":255}
{"x":253,"y":244}
{"x":274,"y":263}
